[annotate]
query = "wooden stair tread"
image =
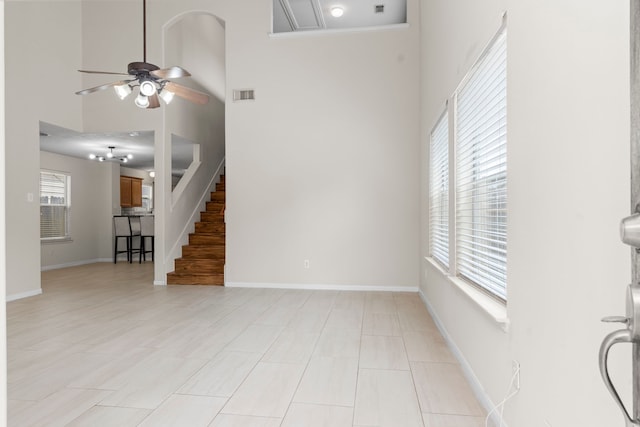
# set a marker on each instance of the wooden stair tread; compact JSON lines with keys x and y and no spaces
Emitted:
{"x":199,"y":265}
{"x":215,"y":207}
{"x":198,"y":269}
{"x":209,"y":228}
{"x":215,"y":217}
{"x":203,"y":252}
{"x":195,"y":279}
{"x":214,"y":227}
{"x":206,"y":239}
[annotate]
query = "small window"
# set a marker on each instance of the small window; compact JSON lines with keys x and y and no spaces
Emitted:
{"x":439,"y":192}
{"x":55,"y":205}
{"x":481,"y":172}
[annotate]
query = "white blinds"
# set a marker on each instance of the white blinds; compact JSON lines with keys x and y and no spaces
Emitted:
{"x":54,"y":205}
{"x":481,"y":172}
{"x":439,"y":192}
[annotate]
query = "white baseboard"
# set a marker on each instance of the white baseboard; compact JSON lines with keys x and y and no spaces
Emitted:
{"x":159,"y":283}
{"x":474,"y":382}
{"x":22,"y":295}
{"x":75,"y":264}
{"x":321,"y":287}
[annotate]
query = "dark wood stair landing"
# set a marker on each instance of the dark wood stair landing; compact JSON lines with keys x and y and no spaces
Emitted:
{"x":202,"y":261}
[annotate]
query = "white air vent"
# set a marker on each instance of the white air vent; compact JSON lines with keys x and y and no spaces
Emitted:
{"x":244,"y":95}
{"x":379,"y":8}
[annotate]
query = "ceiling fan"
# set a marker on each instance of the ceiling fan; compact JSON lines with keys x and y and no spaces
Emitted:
{"x":153,"y":82}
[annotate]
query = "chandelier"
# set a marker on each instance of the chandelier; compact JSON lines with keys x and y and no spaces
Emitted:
{"x":110,"y":155}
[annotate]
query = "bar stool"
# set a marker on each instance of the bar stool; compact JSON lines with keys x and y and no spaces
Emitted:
{"x":146,"y":232}
{"x":125,"y":228}
{"x":136,"y":231}
{"x":122,"y":229}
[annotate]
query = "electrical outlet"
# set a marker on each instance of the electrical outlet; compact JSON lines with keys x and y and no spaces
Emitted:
{"x":515,"y":371}
{"x":306,"y":263}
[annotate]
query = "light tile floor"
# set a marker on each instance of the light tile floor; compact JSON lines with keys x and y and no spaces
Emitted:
{"x":103,"y":347}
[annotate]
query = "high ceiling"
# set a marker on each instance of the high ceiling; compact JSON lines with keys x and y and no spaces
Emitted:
{"x":304,"y":15}
{"x":139,"y":143}
{"x":288,"y":16}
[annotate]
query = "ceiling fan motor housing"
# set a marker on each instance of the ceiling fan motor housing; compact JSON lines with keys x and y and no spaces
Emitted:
{"x":141,"y":68}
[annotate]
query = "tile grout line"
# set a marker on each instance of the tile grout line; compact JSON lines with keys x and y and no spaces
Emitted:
{"x":308,"y":361}
{"x":355,"y":393}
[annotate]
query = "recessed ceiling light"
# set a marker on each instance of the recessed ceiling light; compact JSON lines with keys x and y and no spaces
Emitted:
{"x":337,"y":11}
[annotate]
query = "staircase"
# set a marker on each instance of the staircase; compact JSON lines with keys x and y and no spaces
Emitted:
{"x":202,"y":261}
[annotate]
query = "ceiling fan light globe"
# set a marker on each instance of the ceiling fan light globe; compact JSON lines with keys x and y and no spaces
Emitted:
{"x":109,"y":155}
{"x":147,"y":88}
{"x":122,"y":91}
{"x":101,"y":159}
{"x":129,"y":156}
{"x":92,"y":156}
{"x":166,"y":95}
{"x":142,"y":101}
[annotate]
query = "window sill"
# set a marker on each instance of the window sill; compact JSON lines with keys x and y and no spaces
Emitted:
{"x":61,"y":240}
{"x":496,"y":310}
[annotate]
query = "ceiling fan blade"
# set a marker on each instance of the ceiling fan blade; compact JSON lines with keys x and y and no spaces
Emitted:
{"x":103,"y":72}
{"x":187,"y":93}
{"x":102,"y":87}
{"x":154,"y":102}
{"x":170,"y":73}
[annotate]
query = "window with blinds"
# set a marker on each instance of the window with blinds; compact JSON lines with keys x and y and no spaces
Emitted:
{"x":54,"y":205}
{"x":439,"y":192}
{"x":481,"y":172}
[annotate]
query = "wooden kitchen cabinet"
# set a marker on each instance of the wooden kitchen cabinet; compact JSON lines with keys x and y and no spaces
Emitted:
{"x":130,"y":192}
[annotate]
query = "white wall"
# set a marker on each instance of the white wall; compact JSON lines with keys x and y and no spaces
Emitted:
{"x":568,"y":156}
{"x":323,"y":165}
{"x":42,"y":54}
{"x":197,"y":42}
{"x":91,"y":225}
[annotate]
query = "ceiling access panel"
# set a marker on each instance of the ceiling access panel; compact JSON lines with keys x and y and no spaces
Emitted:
{"x":282,"y":23}
{"x":304,"y":14}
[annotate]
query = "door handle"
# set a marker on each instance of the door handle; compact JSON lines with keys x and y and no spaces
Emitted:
{"x":621,"y":336}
